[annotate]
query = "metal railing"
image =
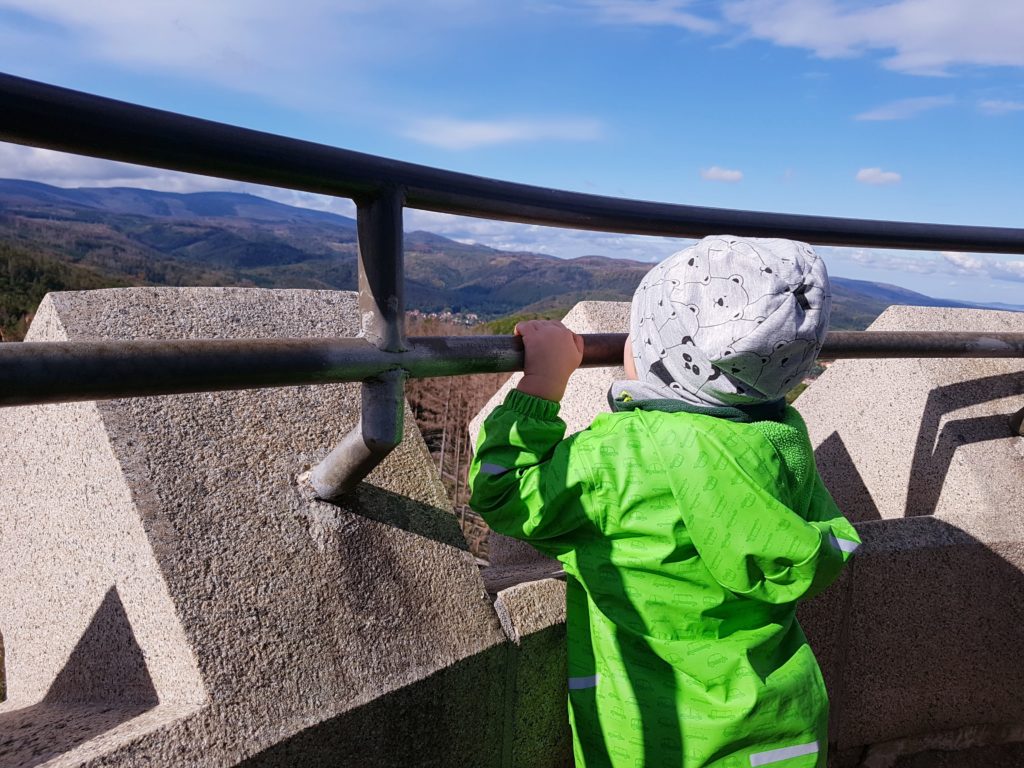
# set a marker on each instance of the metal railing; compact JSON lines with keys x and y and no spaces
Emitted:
{"x":41,"y":115}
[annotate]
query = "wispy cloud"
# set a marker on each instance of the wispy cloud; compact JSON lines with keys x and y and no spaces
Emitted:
{"x":554,"y":241}
{"x":672,"y":13}
{"x":877,"y":176}
{"x":65,"y":170}
{"x":283,"y":51}
{"x":714,"y":173}
{"x":922,"y":37}
{"x":452,"y":133}
{"x":944,"y":263}
{"x":904,"y":109}
{"x":965,"y":262}
{"x":999,"y":107}
{"x":69,"y":171}
{"x":998,"y":269}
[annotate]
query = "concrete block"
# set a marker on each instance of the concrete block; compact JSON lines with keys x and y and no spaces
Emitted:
{"x":933,"y":616}
{"x":533,"y":615}
{"x":995,"y":756}
{"x":904,"y":437}
{"x":169,"y":596}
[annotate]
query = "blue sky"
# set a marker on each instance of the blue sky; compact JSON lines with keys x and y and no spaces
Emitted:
{"x":893,"y":109}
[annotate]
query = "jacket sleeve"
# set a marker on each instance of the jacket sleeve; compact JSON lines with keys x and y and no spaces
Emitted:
{"x":523,"y":480}
{"x":836,"y":530}
{"x":742,"y":521}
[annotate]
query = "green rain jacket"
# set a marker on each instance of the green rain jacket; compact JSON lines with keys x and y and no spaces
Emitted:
{"x":687,"y":541}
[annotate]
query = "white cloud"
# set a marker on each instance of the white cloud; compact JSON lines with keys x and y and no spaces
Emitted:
{"x":923,"y":37}
{"x":714,"y":173}
{"x":69,"y":171}
{"x":999,"y":106}
{"x":963,"y":261}
{"x":905,"y":108}
{"x":65,"y":170}
{"x":554,"y":241}
{"x":299,"y":53}
{"x":451,"y":133}
{"x":652,"y":12}
{"x":877,"y":176}
{"x":1008,"y":270}
{"x":985,"y":266}
{"x":895,"y":261}
{"x":927,"y":263}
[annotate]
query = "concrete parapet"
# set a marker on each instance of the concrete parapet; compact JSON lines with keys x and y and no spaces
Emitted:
{"x":900,"y":438}
{"x":170,"y":597}
{"x":918,"y":638}
{"x":920,"y":453}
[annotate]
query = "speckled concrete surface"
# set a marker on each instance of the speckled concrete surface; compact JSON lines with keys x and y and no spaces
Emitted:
{"x":897,"y":438}
{"x":934,"y":619}
{"x":533,"y":614}
{"x":158,"y":550}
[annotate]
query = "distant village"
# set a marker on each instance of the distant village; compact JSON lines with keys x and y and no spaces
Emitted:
{"x":446,"y":316}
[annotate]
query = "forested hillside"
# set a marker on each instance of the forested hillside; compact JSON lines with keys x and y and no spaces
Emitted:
{"x":92,"y":237}
{"x":25,"y":277}
{"x":53,"y":240}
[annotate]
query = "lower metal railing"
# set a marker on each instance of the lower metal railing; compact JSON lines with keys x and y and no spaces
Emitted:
{"x":34,"y":373}
{"x":382,"y":357}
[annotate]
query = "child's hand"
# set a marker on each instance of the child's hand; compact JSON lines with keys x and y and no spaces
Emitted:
{"x":553,"y":352}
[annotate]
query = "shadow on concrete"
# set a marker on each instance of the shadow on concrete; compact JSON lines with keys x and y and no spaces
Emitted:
{"x":422,"y":724}
{"x":403,"y":512}
{"x":103,"y":684}
{"x":844,"y":482}
{"x":934,"y":449}
{"x":936,"y":617}
{"x":107,"y":664}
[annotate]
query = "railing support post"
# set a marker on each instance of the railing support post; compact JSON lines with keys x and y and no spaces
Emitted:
{"x":382,"y":320}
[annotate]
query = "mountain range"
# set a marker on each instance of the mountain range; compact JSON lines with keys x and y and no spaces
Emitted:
{"x":55,"y":238}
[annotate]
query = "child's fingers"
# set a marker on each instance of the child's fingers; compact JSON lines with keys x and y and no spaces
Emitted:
{"x":524,"y":327}
{"x":579,"y":341}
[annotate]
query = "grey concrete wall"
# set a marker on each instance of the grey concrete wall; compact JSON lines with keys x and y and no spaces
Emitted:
{"x":170,"y":598}
{"x":920,"y":453}
{"x":918,"y":639}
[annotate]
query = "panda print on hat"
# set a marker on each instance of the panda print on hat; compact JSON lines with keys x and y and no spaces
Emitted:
{"x":730,"y":320}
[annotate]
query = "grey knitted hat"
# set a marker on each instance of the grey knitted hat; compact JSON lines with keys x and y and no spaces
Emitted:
{"x":729,"y":321}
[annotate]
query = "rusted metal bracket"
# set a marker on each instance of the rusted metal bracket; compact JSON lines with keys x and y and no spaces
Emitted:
{"x":382,"y":319}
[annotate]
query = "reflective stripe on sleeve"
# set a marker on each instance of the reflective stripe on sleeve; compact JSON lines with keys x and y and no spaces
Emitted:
{"x":493,"y":469}
{"x":785,"y":753}
{"x":577,"y":683}
{"x":843,"y":545}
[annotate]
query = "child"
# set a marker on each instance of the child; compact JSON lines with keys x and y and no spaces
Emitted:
{"x":690,"y":521}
